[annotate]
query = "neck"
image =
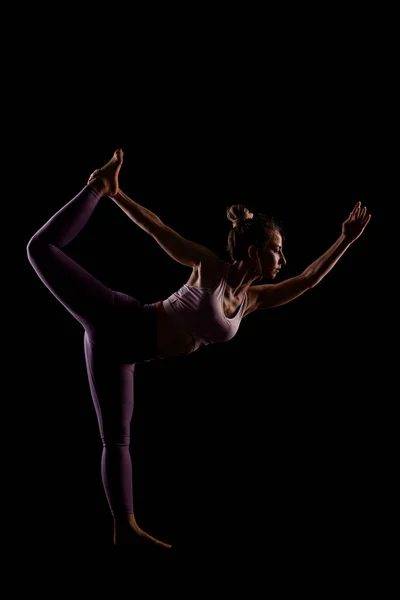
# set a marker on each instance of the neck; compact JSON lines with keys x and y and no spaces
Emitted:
{"x":240,"y":277}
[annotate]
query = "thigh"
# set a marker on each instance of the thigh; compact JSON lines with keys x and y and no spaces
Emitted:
{"x":112,"y":389}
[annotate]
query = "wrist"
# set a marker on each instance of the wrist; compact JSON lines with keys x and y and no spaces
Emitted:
{"x":345,"y":241}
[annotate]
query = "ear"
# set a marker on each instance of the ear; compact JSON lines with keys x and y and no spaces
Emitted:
{"x":253,"y":253}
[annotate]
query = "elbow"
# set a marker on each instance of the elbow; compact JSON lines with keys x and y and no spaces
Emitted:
{"x":310,"y":280}
{"x":312,"y":283}
{"x":153,"y":226}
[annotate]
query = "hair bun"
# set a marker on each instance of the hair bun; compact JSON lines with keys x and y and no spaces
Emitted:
{"x":238,"y":213}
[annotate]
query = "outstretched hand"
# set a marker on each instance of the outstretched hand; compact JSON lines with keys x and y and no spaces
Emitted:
{"x":357,"y":221}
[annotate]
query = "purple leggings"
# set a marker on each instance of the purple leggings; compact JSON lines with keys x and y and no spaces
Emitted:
{"x":120,"y":331}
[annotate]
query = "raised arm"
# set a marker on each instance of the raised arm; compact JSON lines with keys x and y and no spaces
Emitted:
{"x":180,"y":249}
{"x":272,"y":295}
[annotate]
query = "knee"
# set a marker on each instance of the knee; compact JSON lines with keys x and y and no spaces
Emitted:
{"x":115,"y":441}
{"x":34,"y":248}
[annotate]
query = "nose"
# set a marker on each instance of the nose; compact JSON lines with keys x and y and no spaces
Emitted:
{"x":282,"y":260}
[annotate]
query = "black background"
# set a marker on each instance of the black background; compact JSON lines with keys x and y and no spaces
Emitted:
{"x":278,"y":435}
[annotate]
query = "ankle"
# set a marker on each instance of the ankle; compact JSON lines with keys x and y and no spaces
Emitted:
{"x":99,"y":185}
{"x":124,"y":521}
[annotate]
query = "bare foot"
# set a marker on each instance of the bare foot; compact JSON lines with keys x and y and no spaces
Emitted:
{"x":105,"y":179}
{"x":131,"y":535}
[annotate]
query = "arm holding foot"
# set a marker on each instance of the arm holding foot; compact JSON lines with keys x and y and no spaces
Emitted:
{"x":147,"y":220}
{"x":180,"y":249}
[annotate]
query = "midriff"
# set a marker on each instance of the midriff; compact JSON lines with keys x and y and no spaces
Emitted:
{"x":172,"y":340}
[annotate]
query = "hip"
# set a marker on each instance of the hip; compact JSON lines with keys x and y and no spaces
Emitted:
{"x":172,"y":340}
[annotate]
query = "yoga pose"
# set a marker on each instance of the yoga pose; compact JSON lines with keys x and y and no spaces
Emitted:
{"x":121,"y":331}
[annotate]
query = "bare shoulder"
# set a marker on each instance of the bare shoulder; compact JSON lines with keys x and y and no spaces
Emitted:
{"x":208,"y":273}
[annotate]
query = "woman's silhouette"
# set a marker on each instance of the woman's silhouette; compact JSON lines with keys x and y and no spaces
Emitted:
{"x":120,"y":331}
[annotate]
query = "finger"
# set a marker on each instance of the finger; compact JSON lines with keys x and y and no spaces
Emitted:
{"x":353,"y":214}
{"x":366,"y":221}
{"x":362,"y":213}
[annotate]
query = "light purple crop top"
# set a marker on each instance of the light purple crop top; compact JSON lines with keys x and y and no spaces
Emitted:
{"x":200,"y":312}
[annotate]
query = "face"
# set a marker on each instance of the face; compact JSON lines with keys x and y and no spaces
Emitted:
{"x":272,"y":258}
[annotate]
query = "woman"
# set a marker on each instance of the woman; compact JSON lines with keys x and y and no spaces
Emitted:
{"x":120,"y":331}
